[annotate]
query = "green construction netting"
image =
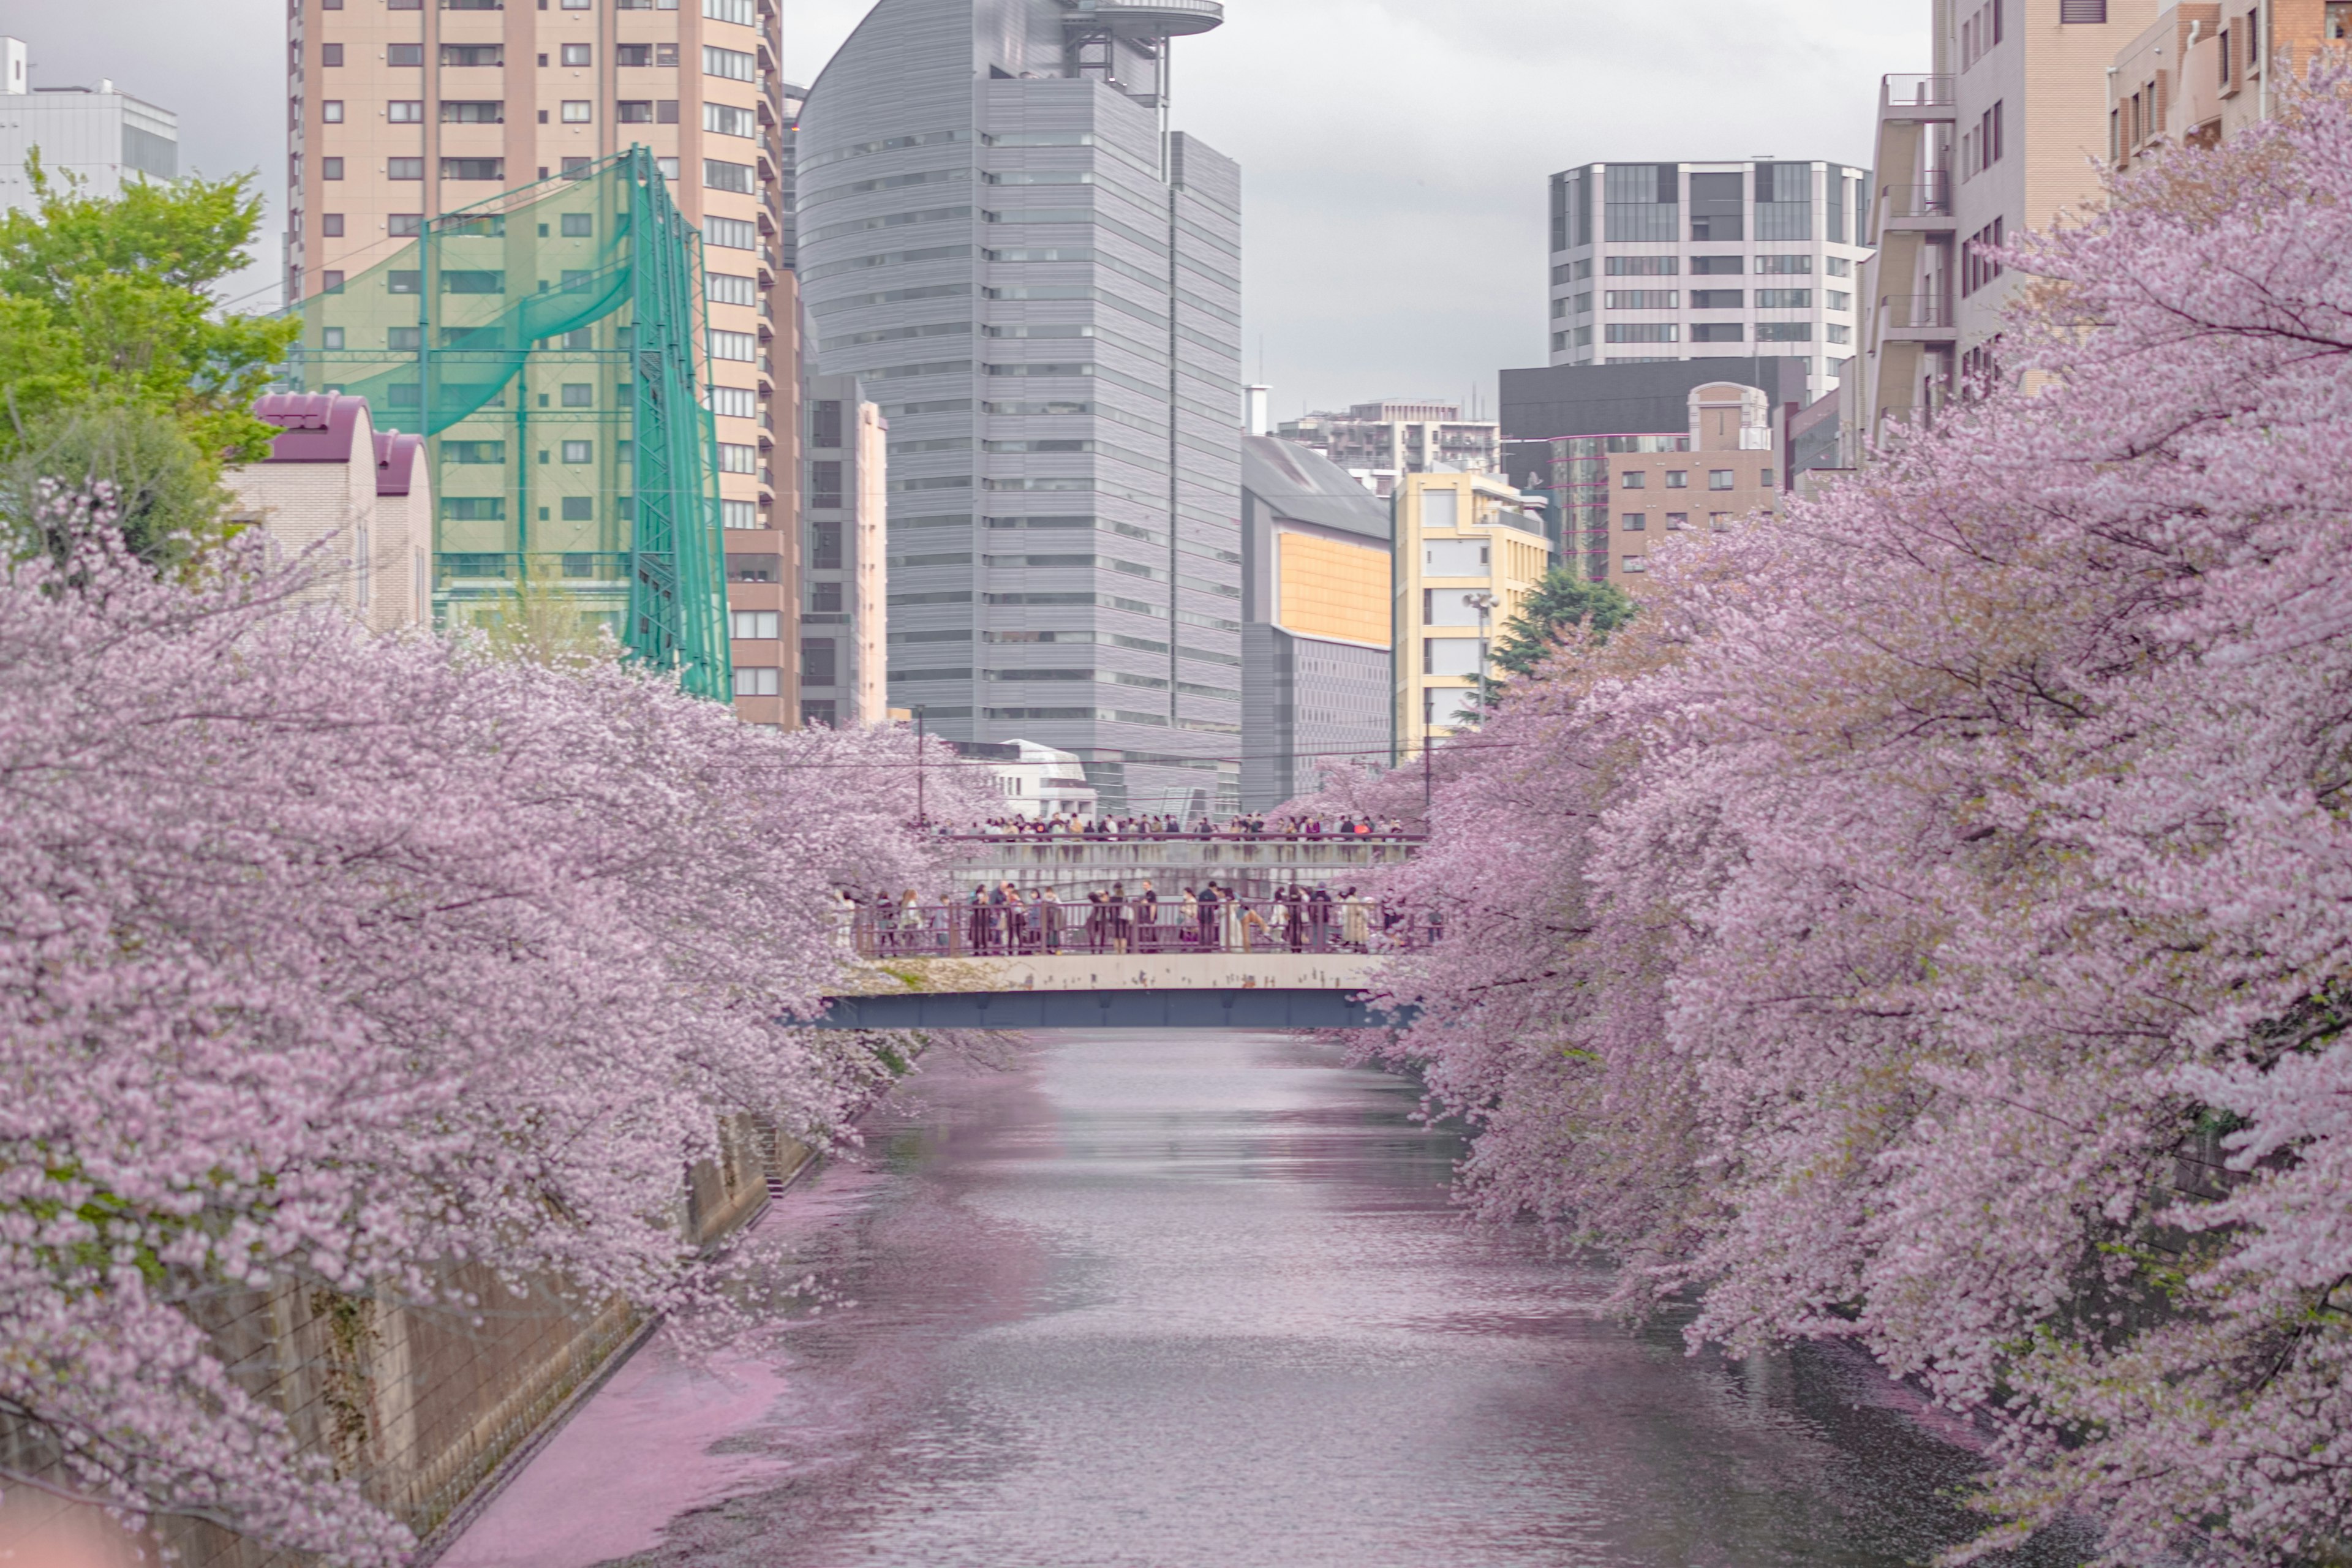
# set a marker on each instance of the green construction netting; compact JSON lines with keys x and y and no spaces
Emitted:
{"x":548,"y":344}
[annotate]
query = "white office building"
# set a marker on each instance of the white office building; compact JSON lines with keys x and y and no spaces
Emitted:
{"x":100,"y":134}
{"x":1686,"y":261}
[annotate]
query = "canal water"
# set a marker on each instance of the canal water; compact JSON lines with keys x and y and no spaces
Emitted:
{"x":1165,"y":1300}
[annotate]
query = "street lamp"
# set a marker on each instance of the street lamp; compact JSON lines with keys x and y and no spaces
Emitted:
{"x":1485,"y":605}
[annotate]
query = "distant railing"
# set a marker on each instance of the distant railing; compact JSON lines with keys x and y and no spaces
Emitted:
{"x":1035,"y":927}
{"x":1907,"y":91}
{"x":1917,"y":310}
{"x":1932,"y":199}
{"x":1221,"y":834}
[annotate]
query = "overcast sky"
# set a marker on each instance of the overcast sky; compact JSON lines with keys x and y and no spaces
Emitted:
{"x":1393,"y":152}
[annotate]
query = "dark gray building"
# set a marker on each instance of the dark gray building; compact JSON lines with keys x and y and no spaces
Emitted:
{"x":1317,"y":571}
{"x":1562,"y":424}
{"x":1039,"y":284}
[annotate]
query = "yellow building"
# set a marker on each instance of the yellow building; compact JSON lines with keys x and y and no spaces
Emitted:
{"x":1468,"y":554}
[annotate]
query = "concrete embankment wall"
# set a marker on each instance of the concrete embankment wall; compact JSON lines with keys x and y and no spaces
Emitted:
{"x":424,"y":1405}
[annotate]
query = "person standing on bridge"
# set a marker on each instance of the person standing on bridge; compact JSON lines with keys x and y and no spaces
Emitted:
{"x":1147,"y":926}
{"x":1188,"y":928}
{"x":1049,"y":920}
{"x":1210,"y":932}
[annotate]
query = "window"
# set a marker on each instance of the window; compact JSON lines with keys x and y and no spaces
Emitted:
{"x":579,"y":451}
{"x":726,"y":119}
{"x":474,"y":452}
{"x":403,"y":54}
{"x":1635,"y":521}
{"x":578,"y":112}
{"x":405,"y":112}
{"x":1718,"y":478}
{"x":1717,"y":206}
{"x":1784,"y":201}
{"x":579,"y":54}
{"x":473,"y":111}
{"x":2081,"y":10}
{"x":404,"y":340}
{"x":1636,"y":480}
{"x":1451,"y":655}
{"x":824,"y":546}
{"x":730,"y":233}
{"x":825,"y":423}
{"x":403,"y":168}
{"x":1838,"y":333}
{"x":472,"y":4}
{"x":1640,"y":267}
{"x":626,"y":55}
{"x":1767,"y":481}
{"x":1978,"y":266}
{"x":1677,"y":520}
{"x":1717,"y":332}
{"x":1718,"y":299}
{"x":1640,"y":202}
{"x":473,"y":54}
{"x":474,"y":508}
{"x":824,"y":598}
{"x":732,"y":64}
{"x":1635,"y":563}
{"x":633,"y":112}
{"x":579,"y":394}
{"x":738,"y":514}
{"x":1784,"y":299}
{"x":1677,"y":478}
{"x":331,"y":281}
{"x":1717,"y":266}
{"x":1642,"y":300}
{"x":824,"y":482}
{"x":1838,"y":266}
{"x":667,"y":167}
{"x":666,"y":55}
{"x":2337,"y":28}
{"x":331,"y":337}
{"x":578,"y":509}
{"x":734,"y":403}
{"x":330,"y":54}
{"x":726,"y":288}
{"x":403,"y":224}
{"x":1643,"y":333}
{"x":331,"y":224}
{"x":332,"y":169}
{"x":756,"y":680}
{"x":736,"y":11}
{"x":1838,"y":300}
{"x":741,"y":347}
{"x":736,"y":459}
{"x":720,"y":175}
{"x":756,"y":624}
{"x":1784,"y":332}
{"x":1785,"y":265}
{"x":332,"y":112}
{"x":490,"y":169}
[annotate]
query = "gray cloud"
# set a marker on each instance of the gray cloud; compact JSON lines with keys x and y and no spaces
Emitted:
{"x":1394,"y":150}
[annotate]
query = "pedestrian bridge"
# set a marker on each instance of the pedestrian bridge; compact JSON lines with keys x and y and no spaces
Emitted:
{"x":1121,"y":964}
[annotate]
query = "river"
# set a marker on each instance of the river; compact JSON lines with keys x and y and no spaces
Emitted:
{"x":1169,"y":1300}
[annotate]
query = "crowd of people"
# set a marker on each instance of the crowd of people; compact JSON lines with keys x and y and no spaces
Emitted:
{"x":1156,"y":825}
{"x":1005,"y":919}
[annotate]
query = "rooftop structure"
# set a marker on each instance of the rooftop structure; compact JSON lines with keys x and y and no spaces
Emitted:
{"x":99,"y":135}
{"x":1376,"y":442}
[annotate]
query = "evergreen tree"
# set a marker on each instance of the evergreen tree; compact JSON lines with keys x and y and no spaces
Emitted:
{"x":1561,"y":600}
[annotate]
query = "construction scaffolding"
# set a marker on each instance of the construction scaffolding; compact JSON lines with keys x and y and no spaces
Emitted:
{"x":548,"y":343}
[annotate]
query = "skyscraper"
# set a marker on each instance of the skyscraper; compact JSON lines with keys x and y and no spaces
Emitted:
{"x":1676,"y":261}
{"x":402,"y":109}
{"x":1038,"y":282}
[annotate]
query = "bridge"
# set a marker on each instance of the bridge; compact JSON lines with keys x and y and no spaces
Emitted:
{"x":1016,"y":954}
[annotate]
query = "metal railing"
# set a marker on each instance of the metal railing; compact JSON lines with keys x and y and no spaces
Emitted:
{"x":1915,"y":312}
{"x":1180,"y":835}
{"x":1036,"y":927}
{"x":1904,"y":90}
{"x":1931,"y":199}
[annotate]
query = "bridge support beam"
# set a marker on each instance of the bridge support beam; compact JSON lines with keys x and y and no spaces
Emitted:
{"x":1236,"y":1009}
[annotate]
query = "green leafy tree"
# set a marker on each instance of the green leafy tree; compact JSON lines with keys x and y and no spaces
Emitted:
{"x":118,"y":360}
{"x":1561,"y":600}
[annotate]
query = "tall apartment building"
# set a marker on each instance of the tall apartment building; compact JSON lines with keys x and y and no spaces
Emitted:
{"x":1317,"y":565}
{"x":1467,"y":556}
{"x":2206,"y":69}
{"x":99,"y":135}
{"x":1675,"y":261}
{"x":2001,"y":136}
{"x":1039,"y":283}
{"x":1377,"y":442}
{"x":401,"y":109}
{"x":843,"y":628}
{"x":1572,"y":433}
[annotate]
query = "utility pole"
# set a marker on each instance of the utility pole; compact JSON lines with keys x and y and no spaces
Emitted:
{"x":921,"y":820}
{"x":1485,"y":605}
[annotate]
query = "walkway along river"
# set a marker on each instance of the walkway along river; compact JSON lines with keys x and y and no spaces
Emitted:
{"x":1169,"y":1300}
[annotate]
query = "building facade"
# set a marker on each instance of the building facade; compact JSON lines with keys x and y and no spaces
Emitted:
{"x":2001,"y":136}
{"x":353,"y":502}
{"x":1317,"y":566}
{"x":1675,"y":261}
{"x":1467,"y":555}
{"x":1728,"y":465}
{"x":1039,"y":284}
{"x":2205,"y":70}
{"x":99,"y":135}
{"x":844,"y":626}
{"x":402,"y":109}
{"x":1376,"y":442}
{"x":1571,"y":433}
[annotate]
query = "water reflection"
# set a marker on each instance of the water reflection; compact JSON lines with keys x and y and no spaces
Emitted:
{"x":1150,"y":1301}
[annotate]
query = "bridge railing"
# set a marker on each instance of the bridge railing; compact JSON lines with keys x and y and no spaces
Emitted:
{"x":1035,"y":928}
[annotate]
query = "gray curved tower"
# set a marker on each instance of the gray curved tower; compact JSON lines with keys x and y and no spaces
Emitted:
{"x":1040,"y":285}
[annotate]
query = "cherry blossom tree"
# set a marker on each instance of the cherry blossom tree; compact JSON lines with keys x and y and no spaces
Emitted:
{"x":337,"y":959}
{"x":1926,"y":925}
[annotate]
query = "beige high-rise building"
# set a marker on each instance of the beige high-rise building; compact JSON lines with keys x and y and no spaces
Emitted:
{"x":2000,"y":136}
{"x":1467,"y":555}
{"x":402,"y":108}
